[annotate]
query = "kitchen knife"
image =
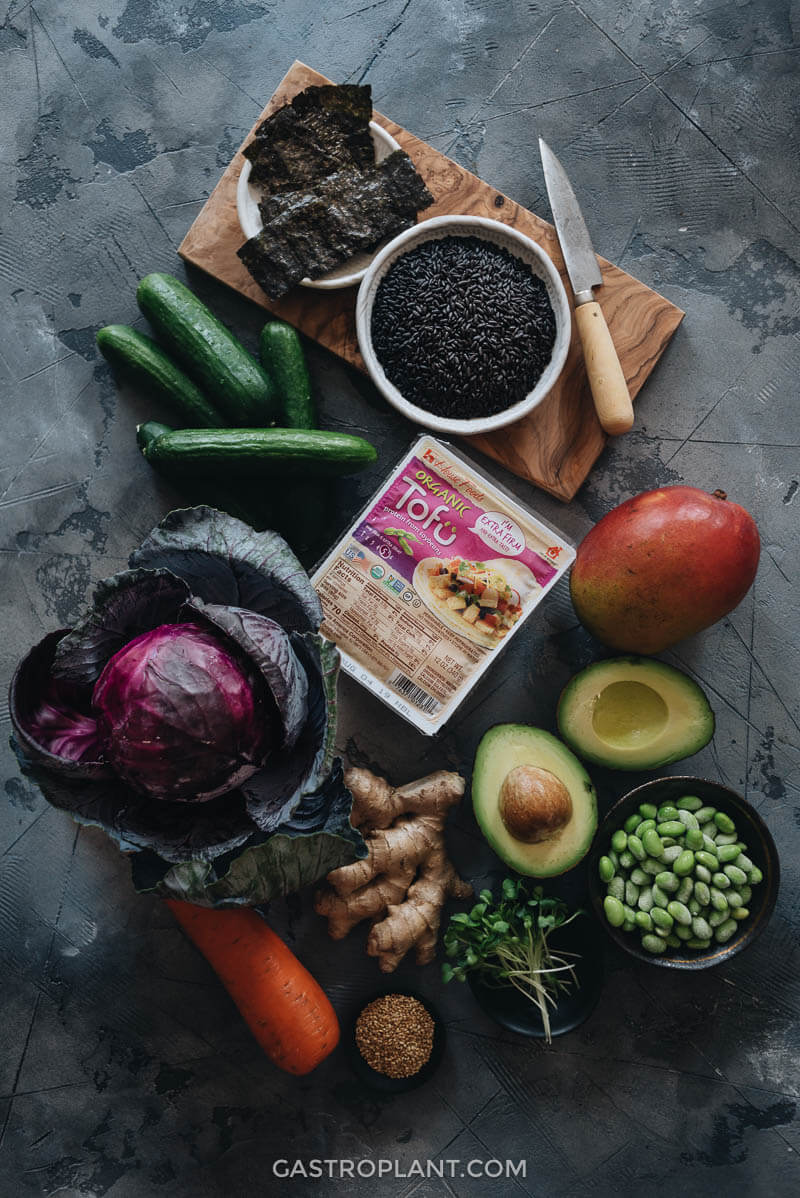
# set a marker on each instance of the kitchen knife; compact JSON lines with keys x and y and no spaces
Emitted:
{"x":609,"y":388}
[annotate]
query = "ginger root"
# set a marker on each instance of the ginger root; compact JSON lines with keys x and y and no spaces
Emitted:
{"x":403,"y":882}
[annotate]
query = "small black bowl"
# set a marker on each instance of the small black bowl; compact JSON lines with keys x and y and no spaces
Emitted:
{"x":379,"y":1081}
{"x":512,"y":1010}
{"x":760,"y":849}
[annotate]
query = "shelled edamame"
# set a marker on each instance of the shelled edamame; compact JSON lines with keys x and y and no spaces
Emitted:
{"x":689,"y":879}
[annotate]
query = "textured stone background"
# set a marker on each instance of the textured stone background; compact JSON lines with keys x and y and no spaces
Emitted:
{"x":124,"y":1069}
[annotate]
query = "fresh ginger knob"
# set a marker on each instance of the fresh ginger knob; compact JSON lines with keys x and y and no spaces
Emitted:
{"x":534,"y":804}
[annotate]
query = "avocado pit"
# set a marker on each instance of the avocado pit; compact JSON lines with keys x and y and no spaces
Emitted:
{"x":534,"y":804}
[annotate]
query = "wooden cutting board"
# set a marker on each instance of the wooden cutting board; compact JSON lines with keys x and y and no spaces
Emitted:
{"x":557,"y":445}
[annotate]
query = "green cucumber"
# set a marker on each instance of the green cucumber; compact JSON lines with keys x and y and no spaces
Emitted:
{"x":138,"y":356}
{"x":281,"y":354}
{"x":149,"y":432}
{"x":208,"y":351}
{"x":236,"y":453}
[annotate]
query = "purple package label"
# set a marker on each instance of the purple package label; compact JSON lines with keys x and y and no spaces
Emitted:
{"x":421,"y":515}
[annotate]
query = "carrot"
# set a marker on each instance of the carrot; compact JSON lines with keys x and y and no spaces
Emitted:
{"x":287,"y":1011}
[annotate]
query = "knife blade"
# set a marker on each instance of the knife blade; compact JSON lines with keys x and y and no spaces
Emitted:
{"x":606,"y":378}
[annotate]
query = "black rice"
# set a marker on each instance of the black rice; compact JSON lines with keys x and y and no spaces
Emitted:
{"x":462,"y":327}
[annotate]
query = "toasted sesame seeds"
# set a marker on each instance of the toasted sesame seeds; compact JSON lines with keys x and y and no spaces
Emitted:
{"x":394,"y":1035}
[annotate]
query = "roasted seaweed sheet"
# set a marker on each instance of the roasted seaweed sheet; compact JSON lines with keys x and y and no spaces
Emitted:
{"x":308,"y":233}
{"x":325,"y":198}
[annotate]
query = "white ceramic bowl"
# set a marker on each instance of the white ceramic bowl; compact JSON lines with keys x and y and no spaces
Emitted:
{"x":349,"y":273}
{"x":498,"y":234}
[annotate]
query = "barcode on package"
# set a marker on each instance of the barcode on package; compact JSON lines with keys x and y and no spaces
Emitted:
{"x":415,"y":694}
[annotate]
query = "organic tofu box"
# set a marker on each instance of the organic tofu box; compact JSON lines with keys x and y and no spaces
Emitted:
{"x":437,"y":574}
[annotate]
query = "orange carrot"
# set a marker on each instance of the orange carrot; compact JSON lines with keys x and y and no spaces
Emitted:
{"x":287,"y":1011}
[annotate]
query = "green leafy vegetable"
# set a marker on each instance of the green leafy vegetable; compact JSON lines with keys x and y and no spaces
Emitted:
{"x":506,"y":942}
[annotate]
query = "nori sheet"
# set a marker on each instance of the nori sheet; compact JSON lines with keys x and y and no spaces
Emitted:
{"x":307,"y":233}
{"x":324,"y":129}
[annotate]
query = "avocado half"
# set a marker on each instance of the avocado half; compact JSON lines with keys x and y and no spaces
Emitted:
{"x":506,"y":748}
{"x":634,"y":713}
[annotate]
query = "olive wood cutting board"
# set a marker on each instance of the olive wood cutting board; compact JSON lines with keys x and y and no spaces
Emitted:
{"x":557,"y":445}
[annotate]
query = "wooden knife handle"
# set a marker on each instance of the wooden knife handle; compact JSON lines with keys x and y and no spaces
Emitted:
{"x":609,"y":389}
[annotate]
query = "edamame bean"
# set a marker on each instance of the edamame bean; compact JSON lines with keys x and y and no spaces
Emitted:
{"x":619,"y":840}
{"x":653,"y":944}
{"x":688,"y":820}
{"x":721,"y":881}
{"x":717,"y":917}
{"x":694,"y":838}
{"x":718,"y":900}
{"x":744,"y":863}
{"x":701,"y":873}
{"x":660,"y":897}
{"x":644,"y":921}
{"x":673,"y":941}
{"x":684,"y":891}
{"x":662,"y":918}
{"x":667,"y":881}
{"x":709,"y":829}
{"x":631,"y":893}
{"x":667,"y":812}
{"x":694,"y":906}
{"x":683,"y":933}
{"x":613,"y":856}
{"x":671,"y":853}
{"x":705,"y":858}
{"x":694,"y":943}
{"x":651,"y":866}
{"x":725,"y":840}
{"x":640,"y":877}
{"x":755,"y":876}
{"x":652,"y":842}
{"x":724,"y":823}
{"x":614,"y":911}
{"x":689,"y":803}
{"x":727,"y":853}
{"x":648,"y":811}
{"x":670,"y":827}
{"x":702,"y":893}
{"x":701,"y":928}
{"x":627,"y":859}
{"x":669,"y":842}
{"x":680,"y":913}
{"x":739,"y":913}
{"x":628,"y":925}
{"x":723,"y":933}
{"x":745,"y":893}
{"x":636,"y":847}
{"x":737,"y":876}
{"x":616,"y":888}
{"x":710,"y":845}
{"x":605,"y":868}
{"x":662,"y":932}
{"x":705,"y":815}
{"x":645,"y":900}
{"x":631,"y":822}
{"x":641,"y":828}
{"x":684,"y":864}
{"x":734,"y":898}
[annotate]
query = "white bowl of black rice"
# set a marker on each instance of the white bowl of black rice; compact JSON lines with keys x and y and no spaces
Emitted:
{"x":463,"y":323}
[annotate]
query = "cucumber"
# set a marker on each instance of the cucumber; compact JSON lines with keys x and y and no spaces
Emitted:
{"x":236,"y":453}
{"x":281,"y":354}
{"x":138,"y":356}
{"x":208,"y":351}
{"x":149,"y":432}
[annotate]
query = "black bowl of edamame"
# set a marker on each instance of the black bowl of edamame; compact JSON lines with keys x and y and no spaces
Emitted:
{"x":683,"y":873}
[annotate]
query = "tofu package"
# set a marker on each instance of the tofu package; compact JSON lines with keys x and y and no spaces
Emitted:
{"x":438,"y":573}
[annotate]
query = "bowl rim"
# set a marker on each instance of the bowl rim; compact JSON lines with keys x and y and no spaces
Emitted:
{"x":244,"y":206}
{"x":489,"y":230}
{"x":751,"y":928}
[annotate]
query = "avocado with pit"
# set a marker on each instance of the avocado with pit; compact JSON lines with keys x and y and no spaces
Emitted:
{"x":533,"y":800}
{"x":634,"y":713}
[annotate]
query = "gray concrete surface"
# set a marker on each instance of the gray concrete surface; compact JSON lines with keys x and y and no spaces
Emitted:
{"x":125,"y":1071}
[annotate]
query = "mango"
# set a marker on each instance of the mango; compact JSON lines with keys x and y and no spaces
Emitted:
{"x":663,"y":566}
